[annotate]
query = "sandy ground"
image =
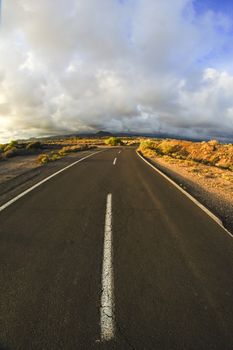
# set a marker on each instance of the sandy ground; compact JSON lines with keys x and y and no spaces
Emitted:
{"x":210,"y":185}
{"x":16,"y":166}
{"x":17,"y":171}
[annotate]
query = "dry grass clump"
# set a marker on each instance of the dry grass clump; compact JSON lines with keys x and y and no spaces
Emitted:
{"x":209,"y":153}
{"x":48,"y":157}
{"x":77,"y":148}
{"x":55,"y":155}
{"x":43,"y":158}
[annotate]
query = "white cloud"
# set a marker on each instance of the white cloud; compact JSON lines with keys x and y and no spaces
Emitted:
{"x":139,"y":65}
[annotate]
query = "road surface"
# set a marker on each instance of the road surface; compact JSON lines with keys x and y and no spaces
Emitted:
{"x":110,"y":255}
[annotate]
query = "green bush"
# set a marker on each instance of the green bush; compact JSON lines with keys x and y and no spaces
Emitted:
{"x":168,"y":148}
{"x":114,"y":141}
{"x":147,"y":145}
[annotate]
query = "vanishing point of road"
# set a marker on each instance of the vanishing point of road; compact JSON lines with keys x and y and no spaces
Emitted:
{"x":108,"y":254}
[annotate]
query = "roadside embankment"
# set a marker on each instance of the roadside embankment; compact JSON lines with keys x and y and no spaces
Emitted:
{"x":204,"y":169}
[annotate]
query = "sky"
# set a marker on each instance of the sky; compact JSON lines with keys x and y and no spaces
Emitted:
{"x":74,"y":66}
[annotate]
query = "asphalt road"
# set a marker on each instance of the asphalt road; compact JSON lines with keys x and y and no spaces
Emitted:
{"x":172,"y":265}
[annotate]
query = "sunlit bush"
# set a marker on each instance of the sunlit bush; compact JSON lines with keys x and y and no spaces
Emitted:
{"x":114,"y":141}
{"x":43,"y":158}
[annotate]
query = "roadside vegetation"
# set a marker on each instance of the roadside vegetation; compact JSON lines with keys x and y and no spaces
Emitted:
{"x":207,"y":164}
{"x":14,"y":148}
{"x":210,"y":153}
{"x":52,"y":150}
{"x":55,"y":155}
{"x":114,"y":141}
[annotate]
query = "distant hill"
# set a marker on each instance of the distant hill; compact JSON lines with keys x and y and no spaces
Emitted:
{"x":103,"y":133}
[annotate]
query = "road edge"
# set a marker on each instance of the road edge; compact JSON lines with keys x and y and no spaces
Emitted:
{"x":187,"y":194}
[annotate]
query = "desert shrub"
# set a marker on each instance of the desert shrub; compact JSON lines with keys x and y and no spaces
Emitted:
{"x":9,"y":153}
{"x":114,"y":141}
{"x":43,"y":158}
{"x":62,"y":152}
{"x":34,"y":146}
{"x":131,"y":142}
{"x":214,"y":144}
{"x":178,"y":156}
{"x":54,"y":156}
{"x":9,"y":146}
{"x":147,"y":145}
{"x":148,"y":148}
{"x":76,"y":148}
{"x":211,"y":153}
{"x":70,"y":149}
{"x":167,"y":147}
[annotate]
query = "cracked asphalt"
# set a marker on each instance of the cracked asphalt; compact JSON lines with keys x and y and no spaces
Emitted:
{"x":172,"y":264}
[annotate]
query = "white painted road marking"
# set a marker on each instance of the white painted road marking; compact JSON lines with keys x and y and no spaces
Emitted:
{"x":107,"y":319}
{"x":119,"y":152}
{"x":4,"y":206}
{"x":114,"y":162}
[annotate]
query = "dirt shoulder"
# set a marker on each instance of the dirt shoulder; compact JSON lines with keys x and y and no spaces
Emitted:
{"x":212,"y":186}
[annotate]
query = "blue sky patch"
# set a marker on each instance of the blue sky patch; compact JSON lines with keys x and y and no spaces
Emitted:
{"x":223,"y":6}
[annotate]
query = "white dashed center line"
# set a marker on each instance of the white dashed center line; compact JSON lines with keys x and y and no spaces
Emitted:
{"x":114,"y":162}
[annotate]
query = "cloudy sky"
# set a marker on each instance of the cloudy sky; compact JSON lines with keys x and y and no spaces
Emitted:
{"x":119,"y":65}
